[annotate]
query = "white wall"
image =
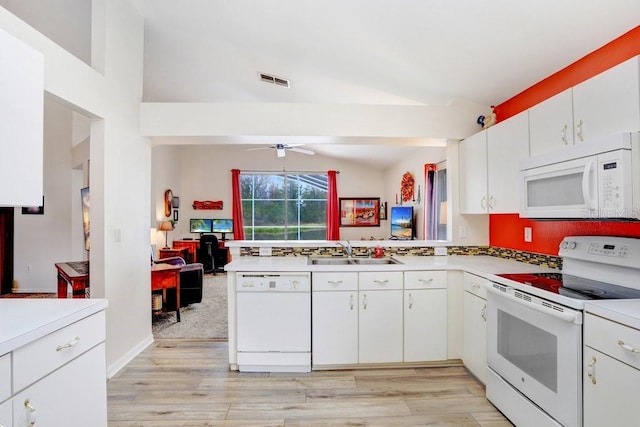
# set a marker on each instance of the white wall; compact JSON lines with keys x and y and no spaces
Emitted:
{"x":203,"y":172}
{"x":120,"y":167}
{"x":413,"y":164}
{"x":42,"y":240}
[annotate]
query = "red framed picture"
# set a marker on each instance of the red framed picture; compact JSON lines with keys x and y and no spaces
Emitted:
{"x":360,"y":212}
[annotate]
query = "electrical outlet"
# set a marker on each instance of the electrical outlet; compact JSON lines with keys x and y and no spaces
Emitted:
{"x":266,"y":251}
{"x":462,"y":232}
{"x":440,"y":250}
{"x":527,"y":234}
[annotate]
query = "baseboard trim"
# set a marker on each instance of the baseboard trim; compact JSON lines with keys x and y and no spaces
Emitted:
{"x":115,"y":367}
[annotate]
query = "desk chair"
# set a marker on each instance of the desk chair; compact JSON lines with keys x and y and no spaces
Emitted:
{"x":208,"y":252}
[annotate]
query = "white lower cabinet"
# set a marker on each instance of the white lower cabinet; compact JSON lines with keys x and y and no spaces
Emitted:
{"x":425,"y":316}
{"x":380,"y":339}
{"x":6,"y":414}
{"x":62,"y":398}
{"x":335,"y":328}
{"x":611,"y":366}
{"x":474,"y":340}
{"x":380,"y":328}
{"x":335,"y":319}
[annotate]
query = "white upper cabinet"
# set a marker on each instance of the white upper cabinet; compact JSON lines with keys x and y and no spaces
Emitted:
{"x":551,"y":124}
{"x":489,"y":168}
{"x":21,"y":123}
{"x":507,"y":144}
{"x":606,"y":104}
{"x":472,"y":154}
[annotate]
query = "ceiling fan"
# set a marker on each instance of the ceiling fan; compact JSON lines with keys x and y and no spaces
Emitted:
{"x":281,"y":149}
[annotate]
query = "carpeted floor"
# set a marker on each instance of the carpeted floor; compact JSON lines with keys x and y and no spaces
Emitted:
{"x":204,"y":320}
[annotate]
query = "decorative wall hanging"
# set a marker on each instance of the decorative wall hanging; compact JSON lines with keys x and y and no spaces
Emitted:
{"x":406,"y":187}
{"x":364,"y":212}
{"x":207,"y":205}
{"x":168,"y":199}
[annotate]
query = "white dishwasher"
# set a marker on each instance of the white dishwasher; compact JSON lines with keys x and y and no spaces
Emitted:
{"x":273,"y":321}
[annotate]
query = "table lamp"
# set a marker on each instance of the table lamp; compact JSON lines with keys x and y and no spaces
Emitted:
{"x":166,"y":226}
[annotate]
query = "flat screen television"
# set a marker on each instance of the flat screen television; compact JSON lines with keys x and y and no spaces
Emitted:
{"x":402,"y":222}
{"x":222,"y":226}
{"x":200,"y":225}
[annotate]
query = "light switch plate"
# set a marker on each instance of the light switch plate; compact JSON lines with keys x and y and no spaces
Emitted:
{"x":264,"y":251}
{"x":527,"y":234}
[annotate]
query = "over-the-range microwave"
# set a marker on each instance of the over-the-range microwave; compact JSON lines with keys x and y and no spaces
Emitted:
{"x":599,"y":178}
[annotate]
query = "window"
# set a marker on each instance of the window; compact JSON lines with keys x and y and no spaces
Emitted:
{"x":284,"y":206}
{"x":436,"y":203}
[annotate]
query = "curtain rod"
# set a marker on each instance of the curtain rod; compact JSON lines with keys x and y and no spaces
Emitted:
{"x":285,"y":172}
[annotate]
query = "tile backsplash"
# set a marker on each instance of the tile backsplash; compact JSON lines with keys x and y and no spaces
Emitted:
{"x":527,"y":257}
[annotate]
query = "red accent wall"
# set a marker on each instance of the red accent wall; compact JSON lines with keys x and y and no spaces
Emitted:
{"x":507,"y":231}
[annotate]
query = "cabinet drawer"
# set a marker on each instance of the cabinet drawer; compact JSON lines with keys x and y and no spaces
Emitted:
{"x":609,"y":337}
{"x":380,"y":280}
{"x":6,"y":413}
{"x":425,"y":279}
{"x":476,"y":285}
{"x":335,"y":281}
{"x":5,"y":377}
{"x":35,"y":360}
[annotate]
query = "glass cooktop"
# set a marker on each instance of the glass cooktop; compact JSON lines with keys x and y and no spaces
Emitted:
{"x":573,"y":286}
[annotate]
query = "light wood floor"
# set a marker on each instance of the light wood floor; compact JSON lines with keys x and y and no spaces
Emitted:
{"x":188,"y":383}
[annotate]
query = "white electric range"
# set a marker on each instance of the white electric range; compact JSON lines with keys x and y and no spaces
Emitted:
{"x":534,"y":330}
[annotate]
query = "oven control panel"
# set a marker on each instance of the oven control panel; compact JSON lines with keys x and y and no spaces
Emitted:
{"x":605,"y":250}
{"x":608,"y":249}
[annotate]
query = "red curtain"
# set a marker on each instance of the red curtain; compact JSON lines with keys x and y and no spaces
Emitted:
{"x":333,"y":210}
{"x":238,"y":226}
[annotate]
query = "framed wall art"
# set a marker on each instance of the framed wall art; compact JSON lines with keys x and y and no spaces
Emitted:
{"x":360,"y":212}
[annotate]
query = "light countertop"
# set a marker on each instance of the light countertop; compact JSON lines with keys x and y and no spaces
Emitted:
{"x":626,"y":312}
{"x":24,"y":320}
{"x":478,"y":264}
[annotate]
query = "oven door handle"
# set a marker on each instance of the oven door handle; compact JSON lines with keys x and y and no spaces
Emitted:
{"x":567,"y":317}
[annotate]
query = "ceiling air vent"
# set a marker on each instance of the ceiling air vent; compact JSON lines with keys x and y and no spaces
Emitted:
{"x":268,"y":78}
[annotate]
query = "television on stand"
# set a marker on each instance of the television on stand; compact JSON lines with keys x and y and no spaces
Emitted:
{"x":222,"y":226}
{"x":199,"y":225}
{"x":402,"y":222}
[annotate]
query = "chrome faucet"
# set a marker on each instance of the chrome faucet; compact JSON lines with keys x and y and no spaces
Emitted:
{"x":347,"y":248}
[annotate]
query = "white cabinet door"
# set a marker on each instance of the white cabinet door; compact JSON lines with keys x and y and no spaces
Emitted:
{"x":73,"y":396}
{"x":380,"y":326}
{"x":507,"y":144}
{"x":21,"y":123}
{"x":474,"y":341}
{"x":551,"y":124}
{"x":608,"y":103}
{"x":616,"y":383}
{"x":6,"y":414}
{"x":425,"y":325}
{"x":473,"y":174}
{"x":335,"y":328}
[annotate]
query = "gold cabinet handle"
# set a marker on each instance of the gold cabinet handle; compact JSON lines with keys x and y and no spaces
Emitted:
{"x":628,"y":347}
{"x":364,"y":302}
{"x":591,"y":369}
{"x":483,"y":313}
{"x":381,"y":282}
{"x":31,"y":412}
{"x":410,"y":302}
{"x":351,"y":302}
{"x":335,"y":282}
{"x":70,"y":344}
{"x":580,"y":133}
{"x":564,"y":135}
{"x":429,"y":280}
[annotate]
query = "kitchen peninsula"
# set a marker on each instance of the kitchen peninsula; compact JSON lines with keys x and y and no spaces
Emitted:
{"x":410,"y":281}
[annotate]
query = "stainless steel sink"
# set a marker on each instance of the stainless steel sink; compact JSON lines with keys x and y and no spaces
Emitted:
{"x":351,"y":261}
{"x":330,"y":261}
{"x":375,"y":261}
